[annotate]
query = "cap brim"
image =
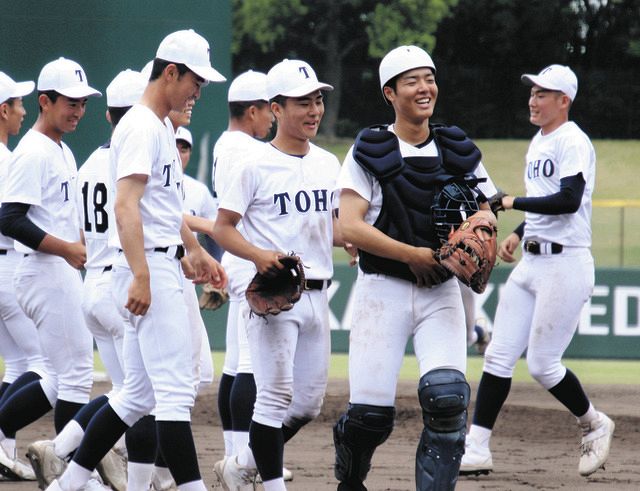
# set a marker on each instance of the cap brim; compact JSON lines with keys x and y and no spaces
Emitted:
{"x":531,"y":79}
{"x":79,"y":92}
{"x":23,"y":88}
{"x":305,"y":89}
{"x":210,"y":74}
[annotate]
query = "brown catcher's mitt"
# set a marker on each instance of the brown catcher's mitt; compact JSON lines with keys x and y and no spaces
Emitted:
{"x":212,"y":298}
{"x":470,"y":252}
{"x":271,"y":295}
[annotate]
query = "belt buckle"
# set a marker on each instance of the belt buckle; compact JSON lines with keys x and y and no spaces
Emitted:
{"x":531,"y":245}
{"x":305,"y":285}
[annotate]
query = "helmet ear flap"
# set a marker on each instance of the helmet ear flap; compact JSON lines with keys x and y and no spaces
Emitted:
{"x":452,"y":205}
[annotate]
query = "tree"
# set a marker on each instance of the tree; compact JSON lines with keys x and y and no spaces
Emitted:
{"x":327,"y":33}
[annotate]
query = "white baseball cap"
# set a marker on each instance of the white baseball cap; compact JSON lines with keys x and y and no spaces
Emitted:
{"x":183,"y":133}
{"x":146,"y":70}
{"x":125,"y":89}
{"x":293,"y":78}
{"x":66,"y":77}
{"x":191,"y":49}
{"x":248,"y":86}
{"x":554,"y":77}
{"x":403,"y":59}
{"x":10,"y":88}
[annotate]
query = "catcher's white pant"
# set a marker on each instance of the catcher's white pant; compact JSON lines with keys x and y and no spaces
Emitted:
{"x":50,"y":292}
{"x":19,"y":343}
{"x":387,"y":311}
{"x":105,"y":323}
{"x":538,"y":310}
{"x":201,"y":352}
{"x":290,"y":354}
{"x":157,"y":349}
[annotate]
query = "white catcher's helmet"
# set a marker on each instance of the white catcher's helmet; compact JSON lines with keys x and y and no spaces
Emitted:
{"x":402,"y":59}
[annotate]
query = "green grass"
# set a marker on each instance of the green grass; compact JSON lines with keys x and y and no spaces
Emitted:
{"x":616,"y":231}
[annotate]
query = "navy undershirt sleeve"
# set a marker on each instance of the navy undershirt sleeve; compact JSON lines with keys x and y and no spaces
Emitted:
{"x":519,"y":231}
{"x":15,"y":224}
{"x":567,"y":200}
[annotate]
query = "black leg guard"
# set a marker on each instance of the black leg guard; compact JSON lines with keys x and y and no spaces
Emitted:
{"x":444,"y":397}
{"x":356,"y":435}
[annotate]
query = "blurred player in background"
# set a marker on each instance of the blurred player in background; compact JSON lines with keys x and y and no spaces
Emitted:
{"x":540,"y":305}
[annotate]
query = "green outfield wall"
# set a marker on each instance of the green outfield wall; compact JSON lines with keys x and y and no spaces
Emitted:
{"x":106,"y":37}
{"x":609,"y":326}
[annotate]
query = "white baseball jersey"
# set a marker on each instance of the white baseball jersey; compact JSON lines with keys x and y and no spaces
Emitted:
{"x":232,"y":149}
{"x":139,"y":140}
{"x":198,"y":200}
{"x":276,"y":204}
{"x":564,"y":152}
{"x":356,"y":178}
{"x":43,"y":174}
{"x":5,"y":160}
{"x":95,"y":204}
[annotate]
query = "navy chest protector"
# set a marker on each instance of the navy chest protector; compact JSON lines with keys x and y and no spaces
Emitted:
{"x":409,"y":185}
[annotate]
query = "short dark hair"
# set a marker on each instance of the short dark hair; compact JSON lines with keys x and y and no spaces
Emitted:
{"x":184,"y":142}
{"x":279,"y":99}
{"x":9,"y":101}
{"x":238,"y":108}
{"x":51,"y":94}
{"x":159,"y":65}
{"x":116,"y":113}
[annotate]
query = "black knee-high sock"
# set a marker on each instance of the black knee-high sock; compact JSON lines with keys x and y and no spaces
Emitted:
{"x":88,"y":410}
{"x":3,"y":389}
{"x":492,"y":392}
{"x":142,"y":441}
{"x":569,"y":392}
{"x":103,"y":431}
{"x":64,"y":412}
{"x":267,"y":445}
{"x":243,"y":397}
{"x":224,"y":401}
{"x":22,"y":408}
{"x":179,"y":450}
{"x":23,"y":380}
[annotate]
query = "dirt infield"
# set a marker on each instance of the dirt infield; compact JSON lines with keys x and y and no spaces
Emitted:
{"x":535,"y":444}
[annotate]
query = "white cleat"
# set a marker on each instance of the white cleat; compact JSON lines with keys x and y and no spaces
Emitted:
{"x":159,"y":484}
{"x":95,"y":485}
{"x":14,"y":470}
{"x":476,"y":459}
{"x":113,"y":470}
{"x":233,"y":476}
{"x":46,"y":464}
{"x":595,"y":445}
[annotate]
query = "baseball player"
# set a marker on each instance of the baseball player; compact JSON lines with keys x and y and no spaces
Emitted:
{"x":284,"y":198}
{"x":477,"y":335}
{"x":539,"y":307}
{"x":401,"y":290}
{"x":147,"y":277}
{"x":250,"y":119}
{"x":39,"y":212}
{"x":19,"y":344}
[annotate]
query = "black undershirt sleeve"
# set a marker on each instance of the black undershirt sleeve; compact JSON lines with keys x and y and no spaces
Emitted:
{"x":567,"y":200}
{"x":519,"y":230}
{"x":15,"y":224}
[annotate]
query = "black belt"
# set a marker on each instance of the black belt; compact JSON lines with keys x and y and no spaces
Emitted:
{"x":535,"y":247}
{"x":316,"y":284}
{"x":179,"y":251}
{"x":107,"y":268}
{"x":3,"y":252}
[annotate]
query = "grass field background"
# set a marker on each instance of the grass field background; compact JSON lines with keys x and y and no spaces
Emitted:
{"x":616,"y":230}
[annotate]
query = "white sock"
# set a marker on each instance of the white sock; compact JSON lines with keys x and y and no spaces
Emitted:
{"x":139,"y":476}
{"x":193,"y":486}
{"x":227,"y":436}
{"x":240,"y":439}
{"x":589,"y":416}
{"x":480,"y":435}
{"x":68,"y":439}
{"x":274,"y":485}
{"x":74,"y":478}
{"x":245,"y":458}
